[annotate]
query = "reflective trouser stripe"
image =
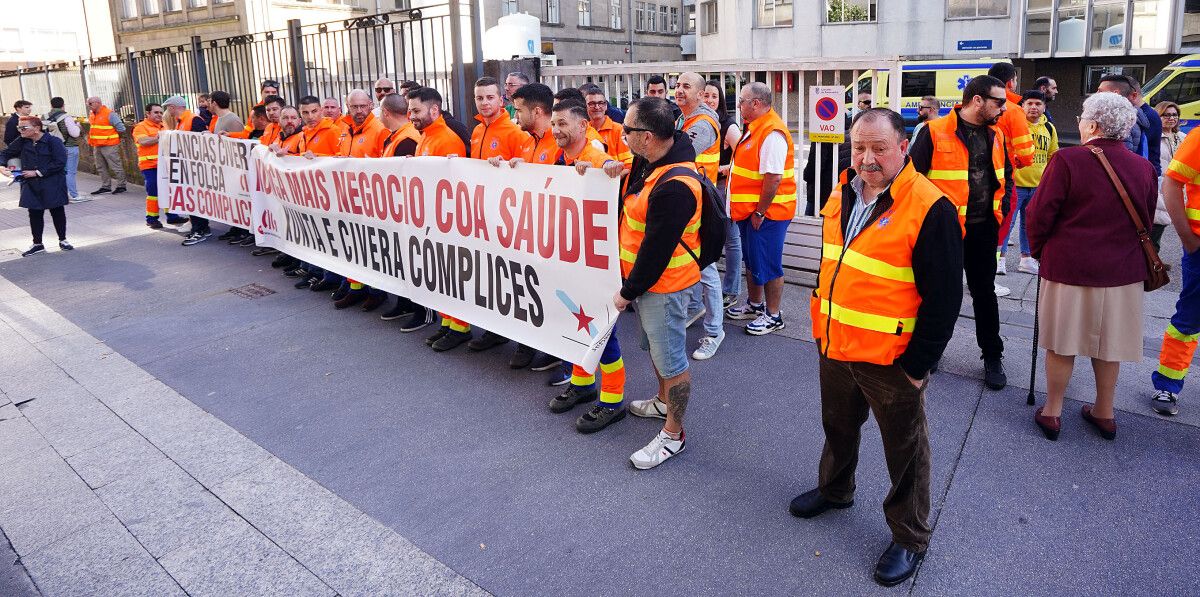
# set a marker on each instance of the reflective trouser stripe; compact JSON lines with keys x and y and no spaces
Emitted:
{"x":152,"y":206}
{"x":581,"y":378}
{"x":612,"y":385}
{"x":356,"y":286}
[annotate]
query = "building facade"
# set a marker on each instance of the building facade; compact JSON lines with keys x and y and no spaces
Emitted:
{"x":600,"y":31}
{"x":1074,"y":41}
{"x":32,"y":37}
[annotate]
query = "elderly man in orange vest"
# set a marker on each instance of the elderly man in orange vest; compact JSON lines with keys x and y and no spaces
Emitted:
{"x":887,"y":297}
{"x":762,"y":195}
{"x":104,"y":137}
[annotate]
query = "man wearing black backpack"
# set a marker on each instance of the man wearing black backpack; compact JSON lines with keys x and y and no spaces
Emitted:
{"x":659,"y":232}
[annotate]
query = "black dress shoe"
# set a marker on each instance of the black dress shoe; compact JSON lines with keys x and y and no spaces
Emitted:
{"x":302,"y":284}
{"x":323,"y":285}
{"x":811,"y":503}
{"x":522,"y":357}
{"x":994,"y":377}
{"x":487,"y":340}
{"x":896,"y":565}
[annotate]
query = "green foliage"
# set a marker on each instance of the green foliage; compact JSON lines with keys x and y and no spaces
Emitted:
{"x":845,"y":11}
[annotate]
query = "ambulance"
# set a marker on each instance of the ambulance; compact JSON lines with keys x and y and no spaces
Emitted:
{"x":944,"y":79}
{"x":1178,"y":82}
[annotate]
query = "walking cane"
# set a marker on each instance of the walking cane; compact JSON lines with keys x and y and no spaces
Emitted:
{"x":1033,"y":358}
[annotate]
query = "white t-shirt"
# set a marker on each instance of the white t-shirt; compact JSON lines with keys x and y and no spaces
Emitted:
{"x":773,"y":154}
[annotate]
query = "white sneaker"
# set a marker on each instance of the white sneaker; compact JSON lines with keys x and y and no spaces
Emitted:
{"x":1002,"y":290}
{"x":765,"y":324}
{"x":1001,"y":266}
{"x":694,"y":317}
{"x":649,"y":409}
{"x":657,"y":451}
{"x":80,"y":199}
{"x":708,"y":347}
{"x":1029,"y":265}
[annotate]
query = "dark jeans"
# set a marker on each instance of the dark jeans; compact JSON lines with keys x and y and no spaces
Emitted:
{"x":199,"y":224}
{"x":849,"y":393}
{"x":1156,"y":232}
{"x":37,"y":223}
{"x":979,"y":261}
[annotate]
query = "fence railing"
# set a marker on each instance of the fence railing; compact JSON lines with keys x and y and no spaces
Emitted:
{"x":790,"y":81}
{"x":431,"y":44}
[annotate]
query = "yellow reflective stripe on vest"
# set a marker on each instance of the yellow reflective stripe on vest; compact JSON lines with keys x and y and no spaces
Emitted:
{"x":947,"y":175}
{"x":962,"y":210}
{"x":1171,"y":373}
{"x":1022,"y":139}
{"x":708,"y":158}
{"x":999,"y":173}
{"x":867,"y":321}
{"x":869,"y":265}
{"x":143,"y":158}
{"x":753,"y":198}
{"x":635,"y":224}
{"x":101,"y":126}
{"x":1185,"y":170}
{"x":676,"y":261}
{"x":752,"y":175}
{"x":1193,"y":214}
{"x":1178,"y":335}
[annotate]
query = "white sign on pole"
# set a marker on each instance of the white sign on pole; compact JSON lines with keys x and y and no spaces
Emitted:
{"x":826,"y":114}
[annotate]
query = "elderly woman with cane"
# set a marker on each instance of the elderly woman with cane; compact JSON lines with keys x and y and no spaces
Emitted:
{"x":42,"y":173}
{"x":1092,"y":262}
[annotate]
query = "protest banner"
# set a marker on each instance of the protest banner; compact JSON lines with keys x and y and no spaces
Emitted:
{"x":529,"y":252}
{"x":205,"y":175}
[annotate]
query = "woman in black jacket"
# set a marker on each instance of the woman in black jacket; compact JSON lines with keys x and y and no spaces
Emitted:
{"x":43,"y":161}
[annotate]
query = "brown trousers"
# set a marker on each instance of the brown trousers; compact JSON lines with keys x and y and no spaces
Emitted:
{"x":849,"y":393}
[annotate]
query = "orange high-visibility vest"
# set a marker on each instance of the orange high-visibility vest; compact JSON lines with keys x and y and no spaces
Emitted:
{"x":147,"y":154}
{"x":365,"y":141}
{"x":502,"y":138}
{"x":102,"y":133}
{"x":212,"y":123}
{"x":612,"y":136}
{"x":323,"y":139}
{"x":682,"y":270}
{"x":184,"y":123}
{"x":292,"y":144}
{"x":745,"y":182}
{"x":708,"y":161}
{"x":439,"y":139}
{"x":590,"y":154}
{"x":270,"y":134}
{"x":1017,"y":138}
{"x":1185,"y":168}
{"x":541,"y":150}
{"x":948,"y":168}
{"x":392,"y":144}
{"x":864,"y":308}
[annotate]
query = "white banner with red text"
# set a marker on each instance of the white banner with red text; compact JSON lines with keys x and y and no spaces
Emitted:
{"x":206,"y":175}
{"x":528,"y":252}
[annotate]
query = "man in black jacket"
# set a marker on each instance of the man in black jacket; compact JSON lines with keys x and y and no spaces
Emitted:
{"x":658,"y":273}
{"x":20,"y":108}
{"x":886,"y":301}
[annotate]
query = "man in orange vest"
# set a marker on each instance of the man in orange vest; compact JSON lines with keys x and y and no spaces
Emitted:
{"x":534,"y":102}
{"x":963,"y":154}
{"x":104,"y":137}
{"x":608,"y":129}
{"x":1018,"y":145}
{"x":762,"y":202}
{"x":569,"y":123}
{"x":888,"y":294}
{"x":274,"y":106}
{"x":659,"y":225}
{"x":145,"y":136}
{"x":438,"y":139}
{"x":699,"y":123}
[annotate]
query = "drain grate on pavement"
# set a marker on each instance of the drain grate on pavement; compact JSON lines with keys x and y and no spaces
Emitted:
{"x":252,"y":291}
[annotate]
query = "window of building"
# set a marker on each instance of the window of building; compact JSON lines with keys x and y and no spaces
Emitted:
{"x":585,"y":13}
{"x":708,"y":18}
{"x":1150,"y":26}
{"x":197,"y":3}
{"x":969,"y":9}
{"x":552,"y":12}
{"x":674,"y":21}
{"x":1038,"y":17}
{"x":10,"y":40}
{"x":1108,"y":26}
{"x":1191,"y":24}
{"x":664,"y":20}
{"x":849,"y":11}
{"x":614,"y":14}
{"x":129,"y":9}
{"x":1071,"y":30}
{"x":150,"y":7}
{"x":1093,"y":73}
{"x":691,"y":18}
{"x":173,"y":5}
{"x":509,"y":7}
{"x":639,"y":16}
{"x":775,"y":13}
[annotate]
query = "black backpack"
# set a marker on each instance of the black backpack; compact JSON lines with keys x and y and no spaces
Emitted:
{"x":713,"y":219}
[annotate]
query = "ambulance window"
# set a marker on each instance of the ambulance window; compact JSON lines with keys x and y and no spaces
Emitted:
{"x":1188,"y":89}
{"x":918,"y":84}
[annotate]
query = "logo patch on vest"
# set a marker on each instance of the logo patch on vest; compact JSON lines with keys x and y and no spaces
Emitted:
{"x":885,"y":219}
{"x":495,"y":143}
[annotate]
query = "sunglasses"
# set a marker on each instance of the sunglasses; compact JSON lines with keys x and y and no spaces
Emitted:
{"x":999,"y":100}
{"x":25,"y":128}
{"x":382,"y":89}
{"x":632,"y":129}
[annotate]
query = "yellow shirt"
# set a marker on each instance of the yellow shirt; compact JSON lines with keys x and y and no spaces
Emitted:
{"x":1045,"y":143}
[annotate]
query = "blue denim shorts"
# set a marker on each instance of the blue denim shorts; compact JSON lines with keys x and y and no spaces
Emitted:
{"x":762,"y":249}
{"x":664,"y":330}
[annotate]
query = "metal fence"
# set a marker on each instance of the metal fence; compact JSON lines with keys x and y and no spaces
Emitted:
{"x":432,"y":44}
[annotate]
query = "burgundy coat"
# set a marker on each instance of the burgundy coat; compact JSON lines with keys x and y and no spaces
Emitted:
{"x":1077,"y":224}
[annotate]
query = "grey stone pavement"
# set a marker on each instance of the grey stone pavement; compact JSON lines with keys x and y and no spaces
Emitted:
{"x":161,"y":435}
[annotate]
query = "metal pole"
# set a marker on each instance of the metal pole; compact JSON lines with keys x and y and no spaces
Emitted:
{"x":458,"y":81}
{"x":49,"y":86}
{"x":477,"y":39}
{"x":21,"y":82}
{"x":297,"y":45}
{"x":83,"y":78}
{"x":135,"y":84}
{"x":198,"y":64}
{"x":629,"y":16}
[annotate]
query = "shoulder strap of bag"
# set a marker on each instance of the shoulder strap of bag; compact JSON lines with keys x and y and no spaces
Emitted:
{"x":1143,"y":235}
{"x":683,"y":171}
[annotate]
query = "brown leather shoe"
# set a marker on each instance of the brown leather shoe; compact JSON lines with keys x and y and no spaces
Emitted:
{"x":373,"y":302}
{"x":1050,"y":426}
{"x":1106,"y":427}
{"x":352,"y":298}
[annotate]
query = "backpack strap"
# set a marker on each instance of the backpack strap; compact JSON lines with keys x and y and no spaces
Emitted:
{"x":685,"y":172}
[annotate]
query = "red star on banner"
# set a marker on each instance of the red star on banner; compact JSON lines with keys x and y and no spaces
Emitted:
{"x":583,"y":318}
